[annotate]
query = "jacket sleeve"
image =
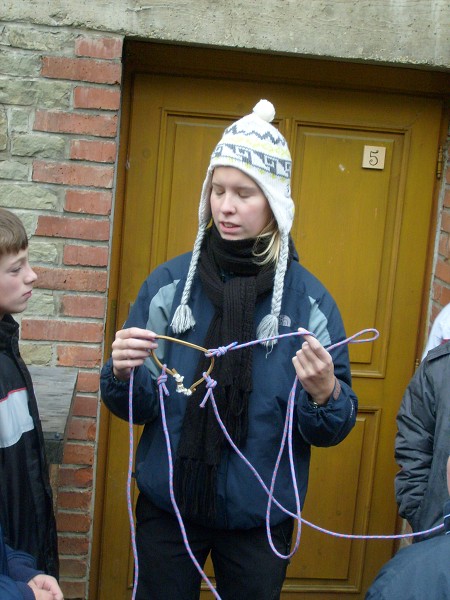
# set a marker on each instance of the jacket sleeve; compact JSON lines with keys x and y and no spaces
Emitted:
{"x":22,"y":568}
{"x":328,"y":425}
{"x":115,"y":394}
{"x":12,"y":590}
{"x":151,"y":310}
{"x":414,"y":443}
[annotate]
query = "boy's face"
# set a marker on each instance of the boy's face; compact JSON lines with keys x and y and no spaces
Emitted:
{"x":16,"y":282}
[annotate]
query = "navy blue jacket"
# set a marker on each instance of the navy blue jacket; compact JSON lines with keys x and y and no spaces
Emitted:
{"x":16,"y":568}
{"x":241,"y":500}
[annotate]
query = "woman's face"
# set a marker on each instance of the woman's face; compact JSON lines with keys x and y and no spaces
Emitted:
{"x":238,"y":206}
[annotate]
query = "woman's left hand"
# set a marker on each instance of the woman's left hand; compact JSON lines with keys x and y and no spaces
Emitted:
{"x":315,"y":370}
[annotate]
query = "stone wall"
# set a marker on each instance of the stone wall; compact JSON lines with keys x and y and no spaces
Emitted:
{"x":406,"y":32}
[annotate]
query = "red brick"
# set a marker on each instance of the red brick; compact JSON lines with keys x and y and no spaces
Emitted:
{"x":85,"y":357}
{"x":78,"y":454}
{"x":81,"y":69}
{"x":33,"y":329}
{"x":73,"y":174}
{"x":72,"y":567}
{"x":73,"y":590}
{"x":443,"y":271}
{"x":445,"y":221}
{"x":89,"y":202}
{"x":69,"y":227}
{"x":99,"y":98}
{"x":71,"y":500}
{"x":87,"y":256}
{"x":77,"y":280}
{"x":105,"y":47}
{"x":83,"y":306}
{"x":445,"y":296}
{"x":444,"y":245}
{"x":75,"y":477}
{"x":73,"y":522}
{"x":88,"y":382}
{"x":73,"y":544}
{"x":437,"y":291}
{"x":85,"y":406}
{"x":93,"y":150}
{"x":447,"y":199}
{"x":82,"y":429}
{"x":64,"y":122}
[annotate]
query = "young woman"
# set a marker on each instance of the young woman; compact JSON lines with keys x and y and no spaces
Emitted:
{"x":241,"y":282}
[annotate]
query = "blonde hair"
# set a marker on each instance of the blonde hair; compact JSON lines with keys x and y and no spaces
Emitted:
{"x":13,"y":236}
{"x":271,"y":252}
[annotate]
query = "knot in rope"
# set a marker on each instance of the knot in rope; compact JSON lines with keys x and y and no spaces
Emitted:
{"x":161,"y":381}
{"x":210,"y":385}
{"x":220,"y":351}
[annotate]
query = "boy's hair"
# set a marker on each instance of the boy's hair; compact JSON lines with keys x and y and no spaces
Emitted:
{"x":13,"y":236}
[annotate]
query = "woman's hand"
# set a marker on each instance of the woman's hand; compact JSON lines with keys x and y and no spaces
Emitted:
{"x":130,"y":348}
{"x":315,"y":370}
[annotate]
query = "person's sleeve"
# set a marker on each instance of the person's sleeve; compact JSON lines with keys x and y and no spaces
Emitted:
{"x":12,"y":590}
{"x":115,"y":394}
{"x":328,"y":425}
{"x":22,"y":568}
{"x":414,"y":444}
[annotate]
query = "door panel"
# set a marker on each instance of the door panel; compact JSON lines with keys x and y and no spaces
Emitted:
{"x":363,"y":232}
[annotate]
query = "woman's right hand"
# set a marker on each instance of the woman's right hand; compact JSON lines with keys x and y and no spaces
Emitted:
{"x":130,"y":349}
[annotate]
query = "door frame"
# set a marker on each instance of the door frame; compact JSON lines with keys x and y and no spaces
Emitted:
{"x":232,"y":65}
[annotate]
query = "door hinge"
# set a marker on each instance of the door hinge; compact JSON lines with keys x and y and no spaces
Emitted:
{"x":440,"y":162}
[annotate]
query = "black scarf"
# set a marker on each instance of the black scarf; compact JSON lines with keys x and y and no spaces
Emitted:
{"x":233,"y":282}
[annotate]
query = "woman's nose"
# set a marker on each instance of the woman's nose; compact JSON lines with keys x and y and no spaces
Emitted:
{"x":228,"y":205}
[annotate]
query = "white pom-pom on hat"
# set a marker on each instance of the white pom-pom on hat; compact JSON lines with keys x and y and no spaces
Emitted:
{"x":265,"y":110}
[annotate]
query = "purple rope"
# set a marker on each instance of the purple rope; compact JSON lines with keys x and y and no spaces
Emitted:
{"x":287,"y":434}
{"x":129,"y":477}
{"x":163,"y":390}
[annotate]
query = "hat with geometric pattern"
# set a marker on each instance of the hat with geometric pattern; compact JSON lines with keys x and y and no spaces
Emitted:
{"x":258,"y":149}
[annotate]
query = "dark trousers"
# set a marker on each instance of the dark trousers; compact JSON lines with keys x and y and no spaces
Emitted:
{"x":245,"y":566}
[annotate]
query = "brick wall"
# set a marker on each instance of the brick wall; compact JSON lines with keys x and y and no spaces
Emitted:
{"x":59,"y":103}
{"x":440,"y":295}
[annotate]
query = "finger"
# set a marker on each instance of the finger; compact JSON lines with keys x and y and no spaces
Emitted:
{"x":313,"y":348}
{"x":136,"y":332}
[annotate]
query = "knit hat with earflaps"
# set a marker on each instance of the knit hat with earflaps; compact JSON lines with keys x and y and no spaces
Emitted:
{"x":258,"y":149}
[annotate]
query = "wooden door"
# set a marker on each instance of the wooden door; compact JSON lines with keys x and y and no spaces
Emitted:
{"x":362,"y":231}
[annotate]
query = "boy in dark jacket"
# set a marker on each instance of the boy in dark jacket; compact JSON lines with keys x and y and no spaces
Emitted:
{"x":20,"y":580}
{"x":26,"y":506}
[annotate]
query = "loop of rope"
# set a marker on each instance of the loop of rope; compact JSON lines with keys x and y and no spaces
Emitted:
{"x":287,"y":435}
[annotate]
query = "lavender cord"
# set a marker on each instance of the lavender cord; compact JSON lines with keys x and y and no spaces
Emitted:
{"x":287,"y":434}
